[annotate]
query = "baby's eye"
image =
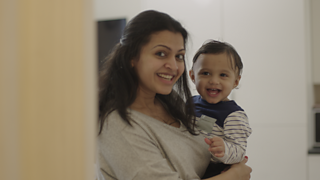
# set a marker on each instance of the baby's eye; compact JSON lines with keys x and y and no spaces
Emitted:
{"x":223,"y":75}
{"x":161,"y":54}
{"x":180,"y":56}
{"x":206,"y":73}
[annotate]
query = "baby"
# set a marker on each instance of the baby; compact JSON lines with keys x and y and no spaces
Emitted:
{"x":216,"y":72}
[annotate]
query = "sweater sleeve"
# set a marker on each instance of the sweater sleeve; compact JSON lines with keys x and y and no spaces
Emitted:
{"x":236,"y":132}
{"x":132,"y":154}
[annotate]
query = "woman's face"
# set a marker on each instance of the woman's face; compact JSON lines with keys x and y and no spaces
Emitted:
{"x":161,"y":63}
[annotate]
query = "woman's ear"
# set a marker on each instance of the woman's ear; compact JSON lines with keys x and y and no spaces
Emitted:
{"x":191,"y":75}
{"x":236,"y":83}
{"x":132,"y":63}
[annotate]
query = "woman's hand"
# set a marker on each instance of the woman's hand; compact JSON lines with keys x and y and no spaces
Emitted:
{"x":241,"y":170}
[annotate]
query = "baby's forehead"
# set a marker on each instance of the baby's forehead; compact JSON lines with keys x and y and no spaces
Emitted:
{"x":205,"y":58}
{"x":224,"y":55}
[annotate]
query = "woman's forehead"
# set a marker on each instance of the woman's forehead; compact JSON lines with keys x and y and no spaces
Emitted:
{"x":166,"y":38}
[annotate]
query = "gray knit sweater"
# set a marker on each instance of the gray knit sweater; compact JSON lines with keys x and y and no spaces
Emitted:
{"x":149,"y":150}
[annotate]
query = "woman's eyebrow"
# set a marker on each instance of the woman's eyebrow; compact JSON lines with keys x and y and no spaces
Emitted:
{"x":162,"y":46}
{"x":167,"y":47}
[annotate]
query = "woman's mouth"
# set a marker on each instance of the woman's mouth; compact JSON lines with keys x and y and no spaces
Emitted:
{"x":166,"y":76}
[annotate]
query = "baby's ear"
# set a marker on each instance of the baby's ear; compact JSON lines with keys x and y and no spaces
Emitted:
{"x":236,"y":83}
{"x":191,"y":75}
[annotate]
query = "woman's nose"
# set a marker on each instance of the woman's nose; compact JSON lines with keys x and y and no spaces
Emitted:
{"x":171,"y":64}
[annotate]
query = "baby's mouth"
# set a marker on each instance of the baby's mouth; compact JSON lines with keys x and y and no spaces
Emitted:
{"x":166,"y":76}
{"x":213,"y":91}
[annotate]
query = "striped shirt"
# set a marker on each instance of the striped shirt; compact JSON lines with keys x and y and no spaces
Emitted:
{"x":226,"y":120}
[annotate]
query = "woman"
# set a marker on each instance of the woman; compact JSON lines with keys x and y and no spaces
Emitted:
{"x":146,"y":130}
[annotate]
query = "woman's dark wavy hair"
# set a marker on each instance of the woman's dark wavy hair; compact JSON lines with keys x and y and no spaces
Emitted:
{"x":118,"y":81}
{"x":217,"y":47}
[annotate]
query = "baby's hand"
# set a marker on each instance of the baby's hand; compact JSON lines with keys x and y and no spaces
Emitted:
{"x":216,"y":146}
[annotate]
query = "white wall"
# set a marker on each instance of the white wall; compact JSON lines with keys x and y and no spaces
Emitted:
{"x":314,"y":164}
{"x":271,"y":38}
{"x":109,"y":9}
{"x":315,"y":29}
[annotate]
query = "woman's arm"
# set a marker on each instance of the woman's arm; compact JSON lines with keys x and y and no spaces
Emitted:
{"x":239,"y":171}
{"x":130,"y":154}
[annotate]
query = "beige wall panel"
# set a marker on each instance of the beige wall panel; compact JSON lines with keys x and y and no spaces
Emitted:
{"x":9,"y":131}
{"x":56,"y":99}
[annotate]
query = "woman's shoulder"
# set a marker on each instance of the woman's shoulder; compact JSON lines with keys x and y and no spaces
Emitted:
{"x":114,"y":123}
{"x":142,"y":125}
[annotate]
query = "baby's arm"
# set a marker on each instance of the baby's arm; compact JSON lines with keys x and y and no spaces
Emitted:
{"x":217,"y":147}
{"x":236,"y":132}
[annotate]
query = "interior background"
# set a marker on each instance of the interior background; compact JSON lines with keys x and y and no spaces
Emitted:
{"x":273,"y":39}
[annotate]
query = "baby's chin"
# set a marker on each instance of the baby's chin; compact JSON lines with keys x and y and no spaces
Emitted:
{"x":214,"y":101}
{"x":210,"y":101}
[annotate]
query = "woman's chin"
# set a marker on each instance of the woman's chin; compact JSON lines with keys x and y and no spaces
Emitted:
{"x":165,"y":92}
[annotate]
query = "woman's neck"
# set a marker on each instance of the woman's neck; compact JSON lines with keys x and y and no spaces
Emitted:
{"x":145,"y":100}
{"x":142,"y":103}
{"x":153,"y":107}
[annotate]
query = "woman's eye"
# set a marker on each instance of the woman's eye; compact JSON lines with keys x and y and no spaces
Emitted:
{"x":180,"y":56}
{"x":161,"y":54}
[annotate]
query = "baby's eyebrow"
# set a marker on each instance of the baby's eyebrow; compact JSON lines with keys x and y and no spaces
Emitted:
{"x":227,"y":71}
{"x":203,"y":69}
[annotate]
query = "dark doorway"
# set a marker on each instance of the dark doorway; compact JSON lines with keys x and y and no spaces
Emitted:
{"x":109,"y":34}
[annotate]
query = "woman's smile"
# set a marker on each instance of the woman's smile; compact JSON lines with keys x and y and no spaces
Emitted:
{"x":166,"y":76}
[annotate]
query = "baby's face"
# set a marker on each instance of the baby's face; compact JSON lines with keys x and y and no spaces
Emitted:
{"x":214,"y":77}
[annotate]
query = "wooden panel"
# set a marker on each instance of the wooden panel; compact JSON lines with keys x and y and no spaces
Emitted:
{"x":316,"y":90}
{"x":56,"y":102}
{"x":9,"y":132}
